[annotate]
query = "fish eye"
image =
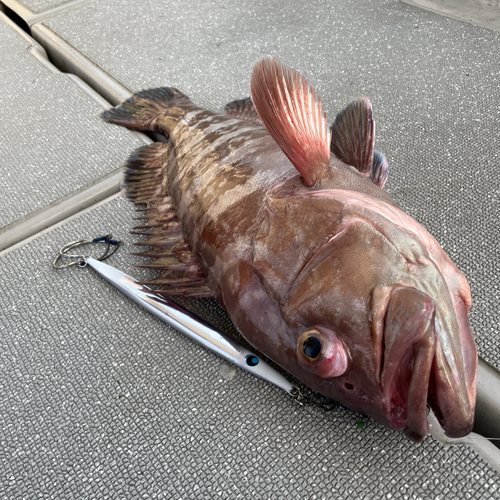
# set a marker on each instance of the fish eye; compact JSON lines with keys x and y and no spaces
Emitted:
{"x":320,"y":351}
{"x":310,"y":344}
{"x":312,"y":347}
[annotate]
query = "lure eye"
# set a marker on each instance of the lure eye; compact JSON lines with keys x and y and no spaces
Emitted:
{"x":311,"y":347}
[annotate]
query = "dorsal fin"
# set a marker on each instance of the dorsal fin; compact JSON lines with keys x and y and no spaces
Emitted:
{"x":287,"y":105}
{"x":145,"y":181}
{"x":353,"y":141}
{"x":244,"y":109}
{"x":353,"y":135}
{"x":380,"y":169}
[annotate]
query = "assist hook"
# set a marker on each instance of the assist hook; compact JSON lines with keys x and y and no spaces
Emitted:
{"x":64,"y":252}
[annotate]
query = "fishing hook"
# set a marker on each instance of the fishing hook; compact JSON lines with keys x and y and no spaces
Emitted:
{"x":81,"y":259}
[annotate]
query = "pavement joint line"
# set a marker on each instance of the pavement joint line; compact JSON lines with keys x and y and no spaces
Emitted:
{"x":477,"y":12}
{"x":9,"y":22}
{"x":486,"y":421}
{"x":70,"y":60}
{"x":49,"y":229}
{"x":30,"y":17}
{"x":56,"y":11}
{"x":41,"y":56}
{"x":21,"y":10}
{"x":39,"y":53}
{"x":91,"y":93}
{"x":67,"y":58}
{"x":73,"y":203}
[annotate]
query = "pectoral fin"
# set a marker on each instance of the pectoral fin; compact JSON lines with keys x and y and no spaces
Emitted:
{"x":288,"y":107}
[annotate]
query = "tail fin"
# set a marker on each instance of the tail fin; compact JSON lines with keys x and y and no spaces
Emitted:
{"x":141,"y":111}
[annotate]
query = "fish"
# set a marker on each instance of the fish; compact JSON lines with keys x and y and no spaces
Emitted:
{"x":286,"y":223}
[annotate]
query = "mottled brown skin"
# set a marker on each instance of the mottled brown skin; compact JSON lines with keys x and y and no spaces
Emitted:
{"x":340,"y":256}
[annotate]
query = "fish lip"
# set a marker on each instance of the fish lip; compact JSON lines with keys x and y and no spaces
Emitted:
{"x":380,"y":299}
{"x":409,"y":347}
{"x":449,"y":398}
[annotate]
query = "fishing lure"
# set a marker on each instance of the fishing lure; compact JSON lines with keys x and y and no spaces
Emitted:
{"x":178,"y":317}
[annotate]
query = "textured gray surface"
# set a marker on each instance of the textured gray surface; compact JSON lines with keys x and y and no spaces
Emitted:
{"x":52,"y":142}
{"x":433,"y":82}
{"x":484,"y":13}
{"x":38,"y":6}
{"x":101,"y":400}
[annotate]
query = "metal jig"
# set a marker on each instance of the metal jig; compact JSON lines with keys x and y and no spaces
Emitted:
{"x":174,"y":315}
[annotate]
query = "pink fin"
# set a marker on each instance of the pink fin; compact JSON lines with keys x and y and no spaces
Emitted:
{"x":145,"y":181}
{"x":287,"y":105}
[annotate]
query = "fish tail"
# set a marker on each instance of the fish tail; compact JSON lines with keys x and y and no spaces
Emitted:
{"x":142,"y":110}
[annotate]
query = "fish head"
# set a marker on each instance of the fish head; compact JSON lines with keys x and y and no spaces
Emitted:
{"x":373,"y":320}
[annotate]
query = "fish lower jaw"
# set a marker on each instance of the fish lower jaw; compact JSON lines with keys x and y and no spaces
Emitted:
{"x":398,"y":422}
{"x":413,"y":424}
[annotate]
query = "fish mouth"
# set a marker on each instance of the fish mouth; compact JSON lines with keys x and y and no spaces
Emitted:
{"x":409,"y":349}
{"x":414,"y":371}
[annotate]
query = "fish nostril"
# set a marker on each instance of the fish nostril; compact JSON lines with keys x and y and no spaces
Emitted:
{"x":349,"y":386}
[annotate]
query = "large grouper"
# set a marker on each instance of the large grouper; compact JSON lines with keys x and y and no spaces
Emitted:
{"x":285,"y":222}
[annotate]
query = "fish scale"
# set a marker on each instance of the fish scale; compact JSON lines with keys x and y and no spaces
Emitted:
{"x":217,"y":179}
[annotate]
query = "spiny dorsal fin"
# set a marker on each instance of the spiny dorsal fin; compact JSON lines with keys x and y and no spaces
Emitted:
{"x":244,"y":109}
{"x":353,"y":141}
{"x":146,"y":183}
{"x":287,"y":105}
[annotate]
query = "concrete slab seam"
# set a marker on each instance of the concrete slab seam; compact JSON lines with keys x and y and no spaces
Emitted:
{"x":41,"y":56}
{"x":47,"y":230}
{"x":21,"y":10}
{"x":483,"y":14}
{"x":39,"y":53}
{"x":31,"y":18}
{"x":90,"y":92}
{"x":9,"y":22}
{"x":56,"y":11}
{"x":71,"y":60}
{"x":60,"y":209}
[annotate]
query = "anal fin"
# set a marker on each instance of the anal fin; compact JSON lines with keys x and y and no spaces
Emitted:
{"x":146,"y":184}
